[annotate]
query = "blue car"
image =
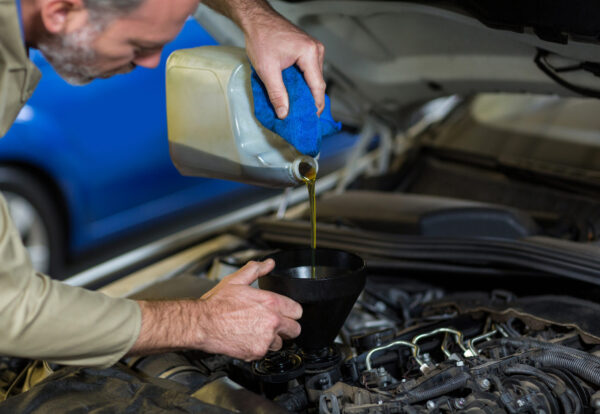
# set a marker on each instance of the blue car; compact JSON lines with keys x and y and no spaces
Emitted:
{"x":83,"y":166}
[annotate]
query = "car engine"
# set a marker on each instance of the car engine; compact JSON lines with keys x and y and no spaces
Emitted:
{"x":409,"y":346}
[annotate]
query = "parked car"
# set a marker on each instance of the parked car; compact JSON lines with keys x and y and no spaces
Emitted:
{"x":85,"y":166}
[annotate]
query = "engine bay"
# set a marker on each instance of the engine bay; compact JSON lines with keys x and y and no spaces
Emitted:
{"x":412,"y":346}
{"x":480,"y":297}
{"x":470,"y":307}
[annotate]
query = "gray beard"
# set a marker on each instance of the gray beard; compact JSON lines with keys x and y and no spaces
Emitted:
{"x":73,"y":57}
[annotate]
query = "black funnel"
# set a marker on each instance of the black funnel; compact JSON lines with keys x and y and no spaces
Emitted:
{"x":327,"y":299}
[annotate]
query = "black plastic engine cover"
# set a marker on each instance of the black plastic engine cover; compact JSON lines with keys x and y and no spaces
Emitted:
{"x":425,"y":215}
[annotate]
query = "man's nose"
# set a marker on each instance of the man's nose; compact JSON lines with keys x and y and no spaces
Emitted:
{"x":149,"y":61}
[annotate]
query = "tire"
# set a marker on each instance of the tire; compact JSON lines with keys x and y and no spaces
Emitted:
{"x":35,"y":213}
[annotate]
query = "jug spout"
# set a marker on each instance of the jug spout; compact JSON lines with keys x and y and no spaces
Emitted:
{"x":304,"y":167}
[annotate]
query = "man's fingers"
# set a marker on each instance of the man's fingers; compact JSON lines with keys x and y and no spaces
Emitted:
{"x":288,"y":328}
{"x":276,"y":90}
{"x":250,"y":272}
{"x":281,"y":304}
{"x":321,"y":50}
{"x":314,"y":78}
{"x":290,"y":308}
{"x":276,"y":344}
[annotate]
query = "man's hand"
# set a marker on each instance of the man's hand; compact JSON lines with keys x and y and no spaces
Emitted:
{"x":274,"y":44}
{"x":232,"y":319}
{"x":244,"y":322}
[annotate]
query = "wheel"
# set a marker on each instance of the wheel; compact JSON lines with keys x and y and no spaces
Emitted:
{"x":36,"y":216}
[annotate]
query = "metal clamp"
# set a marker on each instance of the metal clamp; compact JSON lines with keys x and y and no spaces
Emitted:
{"x":471,"y":343}
{"x":458,"y":336}
{"x":414,"y":347}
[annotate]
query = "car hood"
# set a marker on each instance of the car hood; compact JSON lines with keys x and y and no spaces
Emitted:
{"x":384,"y":55}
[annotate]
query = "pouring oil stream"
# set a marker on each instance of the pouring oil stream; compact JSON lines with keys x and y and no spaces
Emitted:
{"x":308,"y":173}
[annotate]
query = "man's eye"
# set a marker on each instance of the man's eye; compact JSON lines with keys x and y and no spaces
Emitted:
{"x":146,"y":51}
{"x":141,"y":51}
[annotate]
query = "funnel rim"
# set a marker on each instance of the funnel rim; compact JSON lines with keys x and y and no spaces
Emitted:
{"x":350,"y":273}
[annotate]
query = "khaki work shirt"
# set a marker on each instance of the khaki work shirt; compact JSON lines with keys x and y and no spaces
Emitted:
{"x":41,"y":318}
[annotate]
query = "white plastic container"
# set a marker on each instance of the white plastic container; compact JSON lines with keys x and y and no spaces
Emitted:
{"x":212,"y":128}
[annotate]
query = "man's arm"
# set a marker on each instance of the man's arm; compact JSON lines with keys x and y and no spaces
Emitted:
{"x":41,"y":318}
{"x":274,"y":44}
{"x":232,"y":318}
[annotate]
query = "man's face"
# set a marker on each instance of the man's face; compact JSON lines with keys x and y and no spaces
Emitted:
{"x":102,"y":46}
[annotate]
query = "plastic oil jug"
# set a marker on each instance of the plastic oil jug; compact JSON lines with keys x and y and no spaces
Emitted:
{"x":212,"y":128}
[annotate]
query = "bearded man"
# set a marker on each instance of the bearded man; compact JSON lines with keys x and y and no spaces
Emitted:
{"x":41,"y":318}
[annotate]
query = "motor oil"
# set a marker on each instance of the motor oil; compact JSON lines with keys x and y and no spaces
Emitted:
{"x":309,"y":176}
{"x":211,"y":124}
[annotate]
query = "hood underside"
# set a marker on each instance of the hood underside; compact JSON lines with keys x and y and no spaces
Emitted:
{"x":384,"y":55}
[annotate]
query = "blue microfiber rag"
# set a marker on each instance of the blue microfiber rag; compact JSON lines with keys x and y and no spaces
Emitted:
{"x":302,"y":127}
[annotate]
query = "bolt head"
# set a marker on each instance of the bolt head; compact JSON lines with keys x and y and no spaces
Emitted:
{"x":460,"y":403}
{"x":431,"y":405}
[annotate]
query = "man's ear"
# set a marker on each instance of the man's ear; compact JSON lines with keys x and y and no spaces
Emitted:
{"x":63,"y":16}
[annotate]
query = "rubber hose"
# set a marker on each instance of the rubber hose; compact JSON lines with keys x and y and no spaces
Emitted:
{"x":579,"y":362}
{"x":532,"y":343}
{"x":453,"y":384}
{"x":548,"y":380}
{"x":566,"y":403}
{"x":576,"y":401}
{"x":586,"y":369}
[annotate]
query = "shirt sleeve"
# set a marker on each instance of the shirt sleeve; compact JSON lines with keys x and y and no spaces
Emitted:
{"x":41,"y":318}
